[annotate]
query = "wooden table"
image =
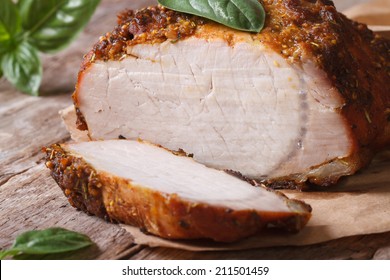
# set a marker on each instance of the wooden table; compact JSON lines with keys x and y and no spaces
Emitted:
{"x":30,"y":199}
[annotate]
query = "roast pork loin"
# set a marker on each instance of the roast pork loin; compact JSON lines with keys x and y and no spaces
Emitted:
{"x":308,"y":98}
{"x":165,"y":194}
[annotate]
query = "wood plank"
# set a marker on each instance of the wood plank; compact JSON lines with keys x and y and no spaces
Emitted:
{"x":342,"y":5}
{"x":26,"y":126}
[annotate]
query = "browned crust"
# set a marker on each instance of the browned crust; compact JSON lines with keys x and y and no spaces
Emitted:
{"x":356,"y":61}
{"x":168,"y":216}
{"x":78,"y":181}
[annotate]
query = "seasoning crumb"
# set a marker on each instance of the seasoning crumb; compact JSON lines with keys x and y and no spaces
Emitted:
{"x":367,"y":116}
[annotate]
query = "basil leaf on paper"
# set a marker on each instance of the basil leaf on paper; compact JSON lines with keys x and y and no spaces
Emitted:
{"x":48,"y":241}
{"x":248,"y":15}
{"x":9,"y":20}
{"x":51,"y":25}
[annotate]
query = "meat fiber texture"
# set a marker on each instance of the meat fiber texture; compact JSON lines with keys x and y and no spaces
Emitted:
{"x":360,"y":205}
{"x":167,"y":195}
{"x":305,"y":99}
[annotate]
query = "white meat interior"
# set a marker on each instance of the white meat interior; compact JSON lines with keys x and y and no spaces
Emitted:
{"x":151,"y":167}
{"x":240,"y":107}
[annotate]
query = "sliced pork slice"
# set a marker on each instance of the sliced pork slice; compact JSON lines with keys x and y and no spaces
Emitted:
{"x":306,"y":98}
{"x":167,"y":195}
{"x":69,"y":118}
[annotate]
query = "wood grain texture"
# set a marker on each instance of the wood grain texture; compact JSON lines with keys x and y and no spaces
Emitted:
{"x":27,"y":124}
{"x":30,"y":199}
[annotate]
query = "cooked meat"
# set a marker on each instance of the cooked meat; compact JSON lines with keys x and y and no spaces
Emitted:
{"x":167,"y":195}
{"x":69,"y":119}
{"x":305,"y":99}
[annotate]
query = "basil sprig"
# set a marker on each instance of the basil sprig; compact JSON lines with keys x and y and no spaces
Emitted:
{"x":33,"y":244}
{"x":246,"y":15}
{"x":29,"y":26}
{"x":22,"y":67}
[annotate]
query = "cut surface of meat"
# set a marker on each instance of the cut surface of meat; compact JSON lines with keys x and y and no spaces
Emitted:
{"x":209,"y":104}
{"x":167,"y":195}
{"x":298,"y":101}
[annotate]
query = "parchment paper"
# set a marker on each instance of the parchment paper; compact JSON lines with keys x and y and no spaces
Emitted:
{"x":359,"y":204}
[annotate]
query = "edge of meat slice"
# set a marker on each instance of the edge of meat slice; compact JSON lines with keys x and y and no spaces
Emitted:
{"x":305,"y":99}
{"x":167,"y":195}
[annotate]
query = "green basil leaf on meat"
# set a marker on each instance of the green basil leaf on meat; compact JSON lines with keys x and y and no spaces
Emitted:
{"x":246,"y":15}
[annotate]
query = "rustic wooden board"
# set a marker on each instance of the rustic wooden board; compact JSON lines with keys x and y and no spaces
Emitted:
{"x":30,"y":199}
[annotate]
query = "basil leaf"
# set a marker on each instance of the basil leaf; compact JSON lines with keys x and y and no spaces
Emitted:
{"x":246,"y":15}
{"x":52,"y":240}
{"x":22,"y":68}
{"x":9,"y":20}
{"x":6,"y":253}
{"x":51,"y":25}
{"x":48,"y":241}
{"x":5,"y":46}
